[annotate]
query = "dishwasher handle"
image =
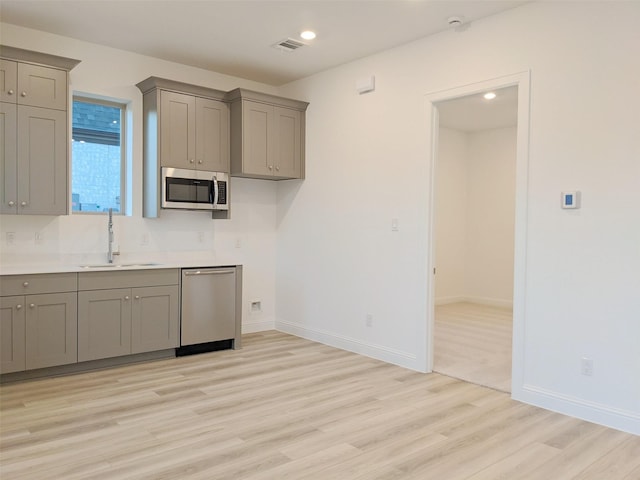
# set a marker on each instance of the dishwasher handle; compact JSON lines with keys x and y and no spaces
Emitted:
{"x":209,"y":272}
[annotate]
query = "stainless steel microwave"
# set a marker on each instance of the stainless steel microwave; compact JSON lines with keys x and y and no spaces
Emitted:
{"x":194,"y":189}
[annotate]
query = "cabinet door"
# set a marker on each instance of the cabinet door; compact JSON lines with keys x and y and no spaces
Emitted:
{"x":104,"y":323}
{"x":288,"y":149}
{"x":8,"y":81}
{"x":212,"y":135}
{"x":51,"y":329}
{"x":42,"y":161}
{"x":42,"y":87}
{"x":257,"y":145}
{"x":8,"y":159}
{"x":177,"y":130}
{"x":155,"y":319}
{"x":12,"y":339}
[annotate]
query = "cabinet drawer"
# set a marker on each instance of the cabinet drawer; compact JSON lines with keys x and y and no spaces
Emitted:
{"x":36,"y":284}
{"x":133,"y":278}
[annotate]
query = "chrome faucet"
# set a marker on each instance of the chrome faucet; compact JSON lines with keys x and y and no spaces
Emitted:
{"x":110,"y":252}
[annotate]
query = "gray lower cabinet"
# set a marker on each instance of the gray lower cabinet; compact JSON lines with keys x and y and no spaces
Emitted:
{"x":155,"y":319}
{"x":12,"y":335}
{"x":143,"y":317}
{"x":38,"y":331}
{"x":51,"y":330}
{"x":104,"y":326}
{"x":38,"y":321}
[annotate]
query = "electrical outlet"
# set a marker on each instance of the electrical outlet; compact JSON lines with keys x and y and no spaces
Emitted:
{"x":39,"y":238}
{"x":256,"y":306}
{"x":586,"y":366}
{"x":145,"y":239}
{"x":368,"y":320}
{"x":238,"y":242}
{"x":11,"y":238}
{"x":201,"y":237}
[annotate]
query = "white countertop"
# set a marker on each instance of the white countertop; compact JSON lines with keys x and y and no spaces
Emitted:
{"x":50,"y":265}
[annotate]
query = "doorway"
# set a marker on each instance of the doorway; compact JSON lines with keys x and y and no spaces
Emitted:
{"x":477,"y":219}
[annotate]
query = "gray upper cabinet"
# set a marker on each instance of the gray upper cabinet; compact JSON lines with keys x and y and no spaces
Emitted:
{"x":185,"y":126}
{"x":8,"y":81}
{"x":42,"y":161}
{"x":188,"y":125}
{"x":177,"y":130}
{"x":267,"y":135}
{"x":212,"y":135}
{"x":34,"y":132}
{"x":194,"y":132}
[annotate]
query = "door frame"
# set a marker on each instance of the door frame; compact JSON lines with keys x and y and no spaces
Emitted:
{"x":522,"y":81}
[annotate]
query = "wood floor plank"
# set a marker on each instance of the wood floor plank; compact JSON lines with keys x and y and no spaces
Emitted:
{"x":473,"y":343}
{"x":284,"y":407}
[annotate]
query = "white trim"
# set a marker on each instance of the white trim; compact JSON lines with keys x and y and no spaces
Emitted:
{"x":258,"y":326}
{"x":385,"y":354}
{"x":491,"y":302}
{"x":619,"y":419}
{"x":522,"y":81}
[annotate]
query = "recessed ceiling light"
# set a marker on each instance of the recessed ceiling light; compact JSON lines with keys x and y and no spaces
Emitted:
{"x":308,"y":35}
{"x":489,"y":96}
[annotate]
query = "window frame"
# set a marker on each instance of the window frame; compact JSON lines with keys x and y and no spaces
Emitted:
{"x":122,"y":106}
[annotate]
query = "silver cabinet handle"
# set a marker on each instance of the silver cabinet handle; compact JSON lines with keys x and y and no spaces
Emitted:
{"x":25,"y":284}
{"x":18,"y":307}
{"x":10,"y":92}
{"x":32,"y":305}
{"x":137,"y":297}
{"x":23,"y":94}
{"x":126,"y":297}
{"x":209,"y":272}
{"x":11,"y":203}
{"x":23,"y":204}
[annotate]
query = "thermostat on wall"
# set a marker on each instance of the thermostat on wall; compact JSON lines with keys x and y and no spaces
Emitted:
{"x":571,"y":199}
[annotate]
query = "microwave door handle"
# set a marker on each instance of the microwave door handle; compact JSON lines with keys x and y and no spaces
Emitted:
{"x":215,"y":191}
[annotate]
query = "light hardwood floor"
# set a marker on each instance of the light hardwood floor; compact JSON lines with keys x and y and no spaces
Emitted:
{"x":473,"y":343}
{"x":287,"y":408}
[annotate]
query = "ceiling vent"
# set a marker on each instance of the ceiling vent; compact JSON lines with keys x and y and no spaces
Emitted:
{"x":289,"y":45}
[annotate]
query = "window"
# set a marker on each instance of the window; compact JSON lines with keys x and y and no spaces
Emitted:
{"x":98,"y":156}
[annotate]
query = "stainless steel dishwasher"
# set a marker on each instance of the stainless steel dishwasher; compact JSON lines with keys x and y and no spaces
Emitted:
{"x":210,"y":308}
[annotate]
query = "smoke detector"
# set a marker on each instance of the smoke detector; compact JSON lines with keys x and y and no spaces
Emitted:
{"x":288,"y":45}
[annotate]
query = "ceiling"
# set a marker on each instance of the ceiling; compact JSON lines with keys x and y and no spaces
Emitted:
{"x":473,"y":113}
{"x":236,"y":37}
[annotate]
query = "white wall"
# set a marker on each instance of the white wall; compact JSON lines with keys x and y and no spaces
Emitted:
{"x":367,"y":163}
{"x":113,"y":73}
{"x":475,"y":212}
{"x":451,"y":215}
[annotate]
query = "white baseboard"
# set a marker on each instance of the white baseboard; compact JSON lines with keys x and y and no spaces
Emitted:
{"x":619,"y":419}
{"x":492,"y":302}
{"x":258,"y":326}
{"x":379,"y":352}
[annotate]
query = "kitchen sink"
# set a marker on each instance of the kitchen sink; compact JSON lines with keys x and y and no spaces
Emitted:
{"x":120,"y":265}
